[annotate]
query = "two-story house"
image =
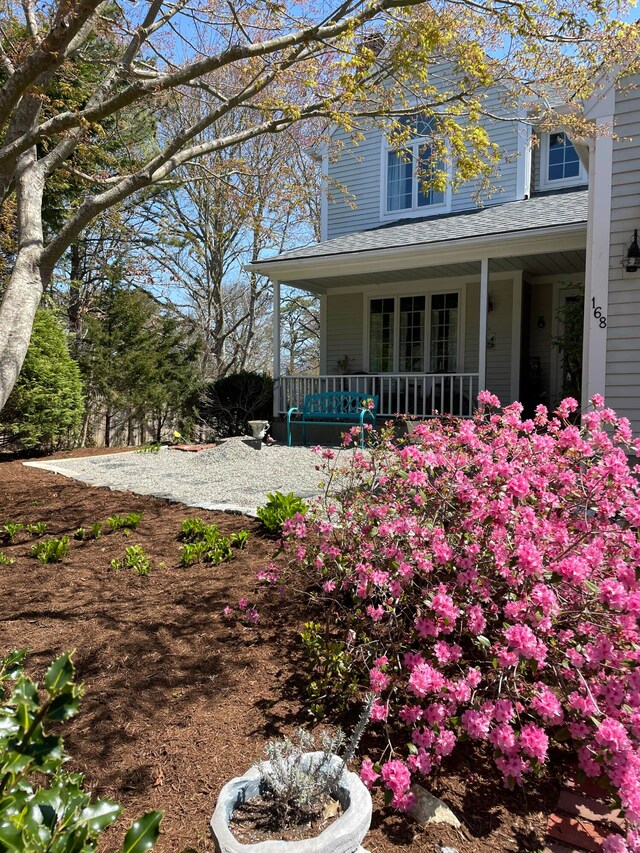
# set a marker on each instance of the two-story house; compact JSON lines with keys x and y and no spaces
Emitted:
{"x":427,"y":298}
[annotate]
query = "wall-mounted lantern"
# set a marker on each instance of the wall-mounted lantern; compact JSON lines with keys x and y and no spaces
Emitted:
{"x":631,"y":261}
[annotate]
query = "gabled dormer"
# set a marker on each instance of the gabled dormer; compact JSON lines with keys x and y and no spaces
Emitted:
{"x":374,"y":181}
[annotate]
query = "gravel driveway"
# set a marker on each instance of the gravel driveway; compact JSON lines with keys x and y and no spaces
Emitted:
{"x":231,"y":477}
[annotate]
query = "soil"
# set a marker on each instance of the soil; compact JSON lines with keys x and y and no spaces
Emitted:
{"x":255,"y":821}
{"x":178,"y":700}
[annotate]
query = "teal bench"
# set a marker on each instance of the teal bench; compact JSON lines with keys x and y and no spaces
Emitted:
{"x":333,"y":407}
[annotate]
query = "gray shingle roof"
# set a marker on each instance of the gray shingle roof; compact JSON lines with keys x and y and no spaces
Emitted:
{"x":546,"y":210}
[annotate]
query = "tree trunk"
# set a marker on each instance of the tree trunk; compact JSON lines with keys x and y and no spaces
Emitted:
{"x":24,"y":291}
{"x":107,"y":428}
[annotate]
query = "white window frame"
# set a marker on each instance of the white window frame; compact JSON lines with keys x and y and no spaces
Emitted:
{"x":547,"y":184}
{"x":428,"y":294}
{"x":415,"y":210}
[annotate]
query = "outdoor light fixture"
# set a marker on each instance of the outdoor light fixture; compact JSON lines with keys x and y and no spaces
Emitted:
{"x":541,"y":323}
{"x":632,"y":260}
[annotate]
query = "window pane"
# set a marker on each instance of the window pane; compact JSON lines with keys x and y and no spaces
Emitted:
{"x":444,"y":333}
{"x":412,"y":315}
{"x":563,"y":158}
{"x":426,"y":170}
{"x":399,"y":180}
{"x":381,"y":335}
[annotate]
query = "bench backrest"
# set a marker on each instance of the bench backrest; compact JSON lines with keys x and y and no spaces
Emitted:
{"x":341,"y":405}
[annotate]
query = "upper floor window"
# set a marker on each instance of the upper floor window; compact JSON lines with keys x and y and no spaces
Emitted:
{"x":410,"y":167}
{"x":560,"y":163}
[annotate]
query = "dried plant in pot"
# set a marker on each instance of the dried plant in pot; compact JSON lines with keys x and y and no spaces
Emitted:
{"x":297,"y":785}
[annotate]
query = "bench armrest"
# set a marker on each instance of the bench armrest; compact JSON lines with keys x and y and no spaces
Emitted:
{"x":292,"y":411}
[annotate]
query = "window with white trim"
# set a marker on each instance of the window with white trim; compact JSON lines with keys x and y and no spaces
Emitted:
{"x":414,"y":334}
{"x":409,"y":167}
{"x":560,"y":164}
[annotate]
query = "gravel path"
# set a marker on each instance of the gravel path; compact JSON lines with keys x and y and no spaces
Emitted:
{"x":232,"y":477}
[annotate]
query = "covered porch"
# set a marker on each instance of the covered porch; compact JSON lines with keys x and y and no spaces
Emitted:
{"x":424,"y":321}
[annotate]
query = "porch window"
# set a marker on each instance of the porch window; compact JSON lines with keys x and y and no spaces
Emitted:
{"x":408,"y":169}
{"x":381,"y":335}
{"x":560,"y":164}
{"x":444,"y":333}
{"x":414,"y":334}
{"x":412,"y":315}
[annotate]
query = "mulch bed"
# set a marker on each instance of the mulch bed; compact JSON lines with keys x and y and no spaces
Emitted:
{"x":178,"y":700}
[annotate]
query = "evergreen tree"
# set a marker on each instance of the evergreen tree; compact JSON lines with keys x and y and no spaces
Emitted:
{"x":45,"y":408}
{"x":137,"y":360}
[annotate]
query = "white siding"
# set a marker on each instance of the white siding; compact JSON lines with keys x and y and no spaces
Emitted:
{"x":357,"y":176}
{"x":499,"y":329}
{"x":344,"y":331}
{"x":623,"y":321}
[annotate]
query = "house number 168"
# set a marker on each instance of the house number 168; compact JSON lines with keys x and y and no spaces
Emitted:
{"x":597,"y":313}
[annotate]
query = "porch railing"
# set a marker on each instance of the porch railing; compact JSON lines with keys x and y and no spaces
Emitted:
{"x":417,"y":395}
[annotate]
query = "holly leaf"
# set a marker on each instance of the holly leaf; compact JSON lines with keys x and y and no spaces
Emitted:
{"x":60,"y":674}
{"x":143,"y":833}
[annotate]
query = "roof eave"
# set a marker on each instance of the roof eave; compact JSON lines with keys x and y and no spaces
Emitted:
{"x":457,"y":250}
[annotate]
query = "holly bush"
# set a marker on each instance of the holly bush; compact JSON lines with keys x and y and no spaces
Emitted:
{"x":483,"y":577}
{"x":43,"y":807}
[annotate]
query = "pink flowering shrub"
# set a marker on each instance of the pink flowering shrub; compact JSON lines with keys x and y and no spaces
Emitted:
{"x":484,"y":580}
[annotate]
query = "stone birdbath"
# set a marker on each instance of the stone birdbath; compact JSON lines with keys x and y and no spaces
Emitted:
{"x":258,"y":431}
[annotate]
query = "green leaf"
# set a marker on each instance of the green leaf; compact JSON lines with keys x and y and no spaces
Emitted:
{"x":63,"y":707}
{"x":10,"y":838}
{"x":60,"y":674}
{"x":99,"y":815}
{"x":562,"y":735}
{"x":143,"y":833}
{"x":484,"y":641}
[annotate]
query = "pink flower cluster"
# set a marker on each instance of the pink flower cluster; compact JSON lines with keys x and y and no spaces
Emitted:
{"x":246,"y":612}
{"x":493,"y":564}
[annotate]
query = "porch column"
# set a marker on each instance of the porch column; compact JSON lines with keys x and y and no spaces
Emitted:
{"x":596,"y":289}
{"x":276,"y":347}
{"x":482,"y":334}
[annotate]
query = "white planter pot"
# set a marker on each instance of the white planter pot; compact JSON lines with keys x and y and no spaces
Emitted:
{"x":342,"y":836}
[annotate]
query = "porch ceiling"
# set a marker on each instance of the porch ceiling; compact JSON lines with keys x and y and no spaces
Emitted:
{"x":547,"y":263}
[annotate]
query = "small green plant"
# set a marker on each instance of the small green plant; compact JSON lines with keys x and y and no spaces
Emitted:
{"x":43,"y":808}
{"x":217,"y":549}
{"x":5,"y":560}
{"x":278,"y":509}
{"x":37,"y":529}
{"x":134,"y":558}
{"x":152,"y":447}
{"x":192,"y":552}
{"x":299,"y":783}
{"x":85,"y":533}
{"x":130,"y":521}
{"x":240,"y":539}
{"x":10,"y":529}
{"x":51,"y":550}
{"x":205,"y":542}
{"x":194,"y":529}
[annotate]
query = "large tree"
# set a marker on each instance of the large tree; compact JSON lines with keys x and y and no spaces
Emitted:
{"x":280,"y":63}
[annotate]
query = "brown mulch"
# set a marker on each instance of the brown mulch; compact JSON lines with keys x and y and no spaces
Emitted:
{"x":178,"y":700}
